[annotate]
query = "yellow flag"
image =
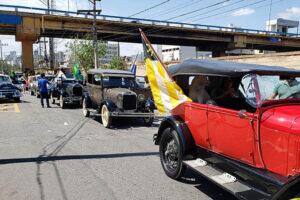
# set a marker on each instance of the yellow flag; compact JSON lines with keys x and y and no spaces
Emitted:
{"x":166,"y":93}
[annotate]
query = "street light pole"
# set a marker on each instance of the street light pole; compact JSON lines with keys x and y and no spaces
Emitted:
{"x":1,"y":53}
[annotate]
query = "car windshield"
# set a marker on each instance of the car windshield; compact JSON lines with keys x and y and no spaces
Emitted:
{"x":4,"y":79}
{"x":118,"y":82}
{"x":258,"y":89}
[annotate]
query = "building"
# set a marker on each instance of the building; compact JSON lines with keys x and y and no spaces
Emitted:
{"x":170,"y":54}
{"x":112,"y":50}
{"x":281,"y":25}
{"x":12,"y":58}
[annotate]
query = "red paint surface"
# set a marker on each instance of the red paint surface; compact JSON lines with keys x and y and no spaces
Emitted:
{"x":223,"y":131}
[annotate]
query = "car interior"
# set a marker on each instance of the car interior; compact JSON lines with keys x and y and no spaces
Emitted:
{"x":218,"y":90}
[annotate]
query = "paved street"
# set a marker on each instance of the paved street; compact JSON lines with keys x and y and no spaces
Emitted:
{"x":59,"y":154}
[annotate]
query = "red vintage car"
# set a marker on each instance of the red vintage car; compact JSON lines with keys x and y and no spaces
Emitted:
{"x":239,"y":139}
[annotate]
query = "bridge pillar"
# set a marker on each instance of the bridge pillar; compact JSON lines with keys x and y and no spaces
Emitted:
{"x":218,"y":53}
{"x":27,"y":33}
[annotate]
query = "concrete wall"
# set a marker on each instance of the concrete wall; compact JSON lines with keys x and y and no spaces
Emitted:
{"x":289,"y":59}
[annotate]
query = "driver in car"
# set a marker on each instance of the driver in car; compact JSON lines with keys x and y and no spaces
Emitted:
{"x":289,"y":88}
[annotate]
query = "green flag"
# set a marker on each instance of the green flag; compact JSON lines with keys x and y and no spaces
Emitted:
{"x":76,"y":72}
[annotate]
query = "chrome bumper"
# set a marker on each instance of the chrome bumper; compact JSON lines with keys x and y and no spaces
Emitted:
{"x":72,"y":99}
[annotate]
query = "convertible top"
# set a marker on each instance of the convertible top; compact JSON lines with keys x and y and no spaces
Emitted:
{"x":111,"y":72}
{"x":225,"y":68}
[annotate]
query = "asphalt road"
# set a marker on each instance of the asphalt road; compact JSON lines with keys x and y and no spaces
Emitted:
{"x":50,"y":153}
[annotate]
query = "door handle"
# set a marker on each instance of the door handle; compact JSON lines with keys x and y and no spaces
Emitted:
{"x":242,"y":114}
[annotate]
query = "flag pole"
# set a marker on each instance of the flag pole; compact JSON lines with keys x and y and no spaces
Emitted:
{"x":157,"y":57}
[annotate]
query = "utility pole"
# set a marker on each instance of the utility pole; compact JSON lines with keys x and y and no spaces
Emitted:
{"x":95,"y":31}
{"x":51,"y":5}
{"x":1,"y":52}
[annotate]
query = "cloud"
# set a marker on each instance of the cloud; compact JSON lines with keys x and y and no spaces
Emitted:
{"x":243,"y":12}
{"x":290,"y":12}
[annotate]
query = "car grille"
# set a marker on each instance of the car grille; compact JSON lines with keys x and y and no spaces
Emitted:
{"x":129,"y":102}
{"x":77,"y":91}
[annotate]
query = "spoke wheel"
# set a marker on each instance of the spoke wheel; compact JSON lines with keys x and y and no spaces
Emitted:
{"x":149,"y":120}
{"x":171,"y":154}
{"x":61,"y":102}
{"x":85,"y":111}
{"x":105,"y":116}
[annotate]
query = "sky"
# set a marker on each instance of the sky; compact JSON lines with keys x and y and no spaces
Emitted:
{"x":251,"y":14}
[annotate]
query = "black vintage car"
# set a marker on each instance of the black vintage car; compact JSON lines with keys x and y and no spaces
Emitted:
{"x":115,"y":93}
{"x":67,"y":91}
{"x":8,"y":91}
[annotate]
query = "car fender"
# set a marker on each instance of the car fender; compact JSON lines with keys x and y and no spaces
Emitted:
{"x":184,"y":134}
{"x":88,"y":99}
{"x":109,"y":104}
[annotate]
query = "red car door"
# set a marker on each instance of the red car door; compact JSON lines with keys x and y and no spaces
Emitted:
{"x":231,"y":133}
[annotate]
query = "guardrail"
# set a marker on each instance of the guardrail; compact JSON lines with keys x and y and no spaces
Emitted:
{"x":145,"y":21}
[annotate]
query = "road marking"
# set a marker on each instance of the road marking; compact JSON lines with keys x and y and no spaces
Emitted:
{"x":17,"y":109}
{"x":9,"y":108}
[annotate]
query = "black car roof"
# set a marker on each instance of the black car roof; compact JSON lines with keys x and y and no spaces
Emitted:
{"x":111,"y":72}
{"x":225,"y":68}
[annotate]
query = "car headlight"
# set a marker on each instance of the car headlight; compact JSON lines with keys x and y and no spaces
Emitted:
{"x":120,"y":97}
{"x":141,"y":97}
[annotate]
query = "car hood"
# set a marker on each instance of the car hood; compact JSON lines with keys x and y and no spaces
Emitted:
{"x":283,"y":118}
{"x":114,"y":92}
{"x":8,"y":86}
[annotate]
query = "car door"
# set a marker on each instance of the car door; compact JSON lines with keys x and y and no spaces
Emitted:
{"x":232,"y":133}
{"x":97,"y":89}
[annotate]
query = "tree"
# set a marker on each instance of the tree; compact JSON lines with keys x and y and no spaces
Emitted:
{"x":117,"y":63}
{"x":82,"y":52}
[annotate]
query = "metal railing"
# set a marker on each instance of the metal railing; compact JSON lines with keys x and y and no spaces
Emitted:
{"x":145,"y":21}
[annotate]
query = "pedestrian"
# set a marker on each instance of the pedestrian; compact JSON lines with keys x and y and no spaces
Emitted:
{"x":42,"y":84}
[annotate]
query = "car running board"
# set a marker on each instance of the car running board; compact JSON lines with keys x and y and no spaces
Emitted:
{"x":227,"y":181}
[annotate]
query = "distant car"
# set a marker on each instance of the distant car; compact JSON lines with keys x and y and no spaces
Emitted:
{"x":67,"y":91}
{"x":34,"y":89}
{"x":8,"y":91}
{"x":114,"y":93}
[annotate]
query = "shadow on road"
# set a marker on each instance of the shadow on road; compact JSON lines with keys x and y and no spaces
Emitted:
{"x":74,"y":157}
{"x":205,"y":186}
{"x":127,"y":122}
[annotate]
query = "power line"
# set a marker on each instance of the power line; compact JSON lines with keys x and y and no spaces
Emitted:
{"x":187,"y":13}
{"x":176,"y":8}
{"x":220,"y":13}
{"x":155,"y":6}
{"x":227,"y":5}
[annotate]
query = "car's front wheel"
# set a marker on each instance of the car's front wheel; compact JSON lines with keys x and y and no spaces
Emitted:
{"x":17,"y":99}
{"x":62,"y":102}
{"x":105,"y":117}
{"x":170,"y":151}
{"x":85,"y":111}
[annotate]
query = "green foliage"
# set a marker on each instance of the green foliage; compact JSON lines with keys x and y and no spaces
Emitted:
{"x":118,"y":63}
{"x":82,"y":52}
{"x":7,"y":68}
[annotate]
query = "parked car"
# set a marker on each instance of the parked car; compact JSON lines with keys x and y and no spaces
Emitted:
{"x":245,"y":143}
{"x":8,"y":91}
{"x":115,"y":93}
{"x":34,"y":89}
{"x":66,"y":91}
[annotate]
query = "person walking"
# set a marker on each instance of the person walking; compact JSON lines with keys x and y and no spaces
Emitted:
{"x":42,"y":84}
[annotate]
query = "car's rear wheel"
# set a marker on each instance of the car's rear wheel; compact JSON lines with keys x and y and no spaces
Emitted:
{"x":62,"y":102}
{"x":105,"y":117}
{"x":149,"y":120}
{"x":85,"y":111}
{"x":170,"y":151}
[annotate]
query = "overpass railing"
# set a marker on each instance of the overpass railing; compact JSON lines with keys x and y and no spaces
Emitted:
{"x":144,"y":21}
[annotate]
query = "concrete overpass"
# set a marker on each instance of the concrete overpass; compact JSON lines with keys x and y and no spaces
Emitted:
{"x":34,"y":23}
